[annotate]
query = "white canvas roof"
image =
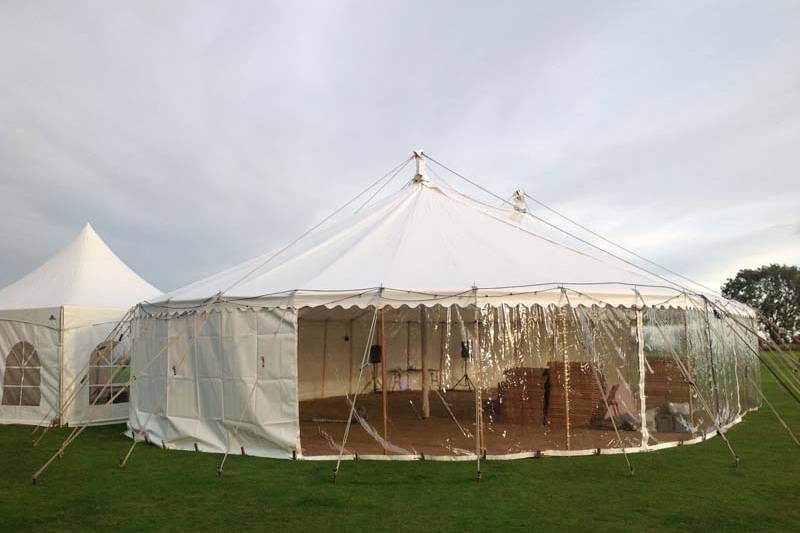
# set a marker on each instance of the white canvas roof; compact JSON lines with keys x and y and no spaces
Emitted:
{"x":428,"y":239}
{"x":85,"y":273}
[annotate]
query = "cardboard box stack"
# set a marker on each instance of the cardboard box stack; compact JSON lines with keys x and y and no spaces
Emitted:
{"x":585,"y":402}
{"x":521,"y":396}
{"x":666,"y":383}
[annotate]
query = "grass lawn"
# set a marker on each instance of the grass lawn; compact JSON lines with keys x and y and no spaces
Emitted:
{"x":693,"y":487}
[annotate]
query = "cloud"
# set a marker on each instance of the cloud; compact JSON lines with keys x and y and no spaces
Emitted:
{"x":194,"y":135}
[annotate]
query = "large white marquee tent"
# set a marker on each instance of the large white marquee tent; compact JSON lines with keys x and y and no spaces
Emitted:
{"x":433,"y":325}
{"x":56,"y":359}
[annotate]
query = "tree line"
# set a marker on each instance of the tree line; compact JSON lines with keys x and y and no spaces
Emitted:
{"x":774,"y":290}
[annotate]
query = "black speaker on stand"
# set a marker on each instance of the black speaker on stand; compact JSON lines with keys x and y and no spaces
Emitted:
{"x":375,"y":359}
{"x":465,"y":382}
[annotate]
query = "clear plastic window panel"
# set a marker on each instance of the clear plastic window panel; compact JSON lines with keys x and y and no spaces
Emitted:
{"x":109,"y":372}
{"x":702,"y":371}
{"x":22,"y":376}
{"x":677,"y":373}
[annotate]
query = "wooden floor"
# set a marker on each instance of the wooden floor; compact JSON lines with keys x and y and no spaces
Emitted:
{"x":322,"y":424}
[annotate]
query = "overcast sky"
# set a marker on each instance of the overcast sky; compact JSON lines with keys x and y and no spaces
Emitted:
{"x":196,"y":135}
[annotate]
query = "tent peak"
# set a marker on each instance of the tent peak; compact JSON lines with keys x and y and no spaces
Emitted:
{"x":88,"y":230}
{"x":519,"y":201}
{"x":83,"y":273}
{"x":419,"y":159}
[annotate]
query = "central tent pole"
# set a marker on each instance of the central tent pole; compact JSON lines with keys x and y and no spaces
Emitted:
{"x":384,"y":390}
{"x":350,"y":342}
{"x":642,"y":377}
{"x":711,"y":360}
{"x":442,"y":340}
{"x":565,"y":357}
{"x":324,"y":353}
{"x":688,"y":362}
{"x":408,"y":348}
{"x":426,"y":382}
{"x":478,"y":385}
{"x":479,"y":376}
{"x":60,"y":419}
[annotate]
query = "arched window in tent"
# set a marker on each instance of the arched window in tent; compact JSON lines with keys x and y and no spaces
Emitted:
{"x":22,"y":378}
{"x":109,"y":372}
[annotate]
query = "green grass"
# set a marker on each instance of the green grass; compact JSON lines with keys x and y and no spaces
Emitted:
{"x":689,"y":488}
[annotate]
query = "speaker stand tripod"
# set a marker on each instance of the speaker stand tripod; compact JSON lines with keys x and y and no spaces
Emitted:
{"x":464,"y":381}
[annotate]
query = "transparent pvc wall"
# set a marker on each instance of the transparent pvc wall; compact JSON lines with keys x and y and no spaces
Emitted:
{"x":543,"y":378}
{"x":702,"y":372}
{"x":554,"y":378}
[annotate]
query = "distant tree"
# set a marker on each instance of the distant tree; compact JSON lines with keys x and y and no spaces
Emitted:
{"x":775,"y":291}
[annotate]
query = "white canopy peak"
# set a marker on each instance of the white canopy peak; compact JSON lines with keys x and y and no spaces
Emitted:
{"x":419,"y":159}
{"x":84,"y":273}
{"x":519,"y":201}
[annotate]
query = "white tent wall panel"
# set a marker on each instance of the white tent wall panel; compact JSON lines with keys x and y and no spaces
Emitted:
{"x":310,"y":361}
{"x":19,"y":326}
{"x":64,"y":351}
{"x":228,"y":380}
{"x":79,"y":343}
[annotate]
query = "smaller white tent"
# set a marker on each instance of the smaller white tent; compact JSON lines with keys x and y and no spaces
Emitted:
{"x":55,"y":356}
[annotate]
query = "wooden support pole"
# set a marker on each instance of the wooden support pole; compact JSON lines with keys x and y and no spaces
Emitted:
{"x":565,"y":359}
{"x":350,"y":342}
{"x":60,"y":416}
{"x":516,"y":336}
{"x":384,"y":390}
{"x":711,"y":363}
{"x":736,"y":375}
{"x":324,"y":354}
{"x":479,"y":382}
{"x":642,"y":376}
{"x":426,"y":380}
{"x":688,"y":363}
{"x":441,"y":354}
{"x":408,"y":347}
